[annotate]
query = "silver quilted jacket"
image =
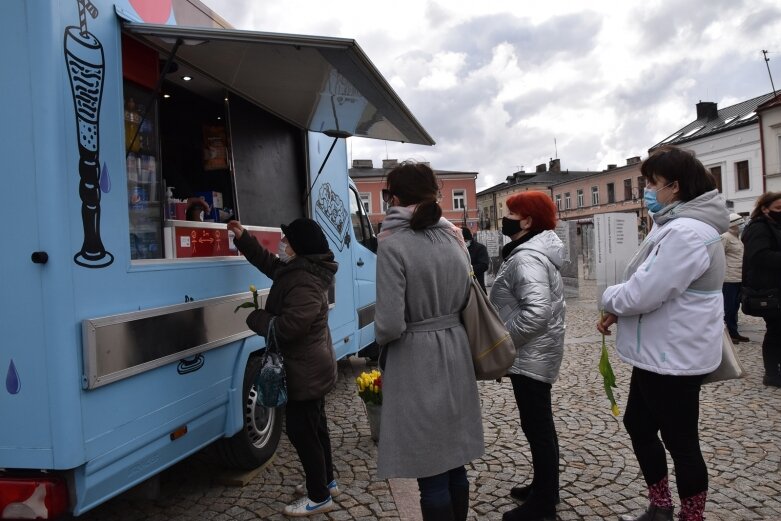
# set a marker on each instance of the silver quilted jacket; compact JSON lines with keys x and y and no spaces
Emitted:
{"x":529,"y":294}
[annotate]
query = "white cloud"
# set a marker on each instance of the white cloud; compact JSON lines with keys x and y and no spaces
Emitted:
{"x":494,"y":82}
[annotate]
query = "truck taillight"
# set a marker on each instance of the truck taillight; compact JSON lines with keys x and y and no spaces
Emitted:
{"x":32,"y":498}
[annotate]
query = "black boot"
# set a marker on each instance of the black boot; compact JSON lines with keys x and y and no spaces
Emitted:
{"x":459,"y":499}
{"x":437,"y":513}
{"x":653,"y":513}
{"x":523,"y":493}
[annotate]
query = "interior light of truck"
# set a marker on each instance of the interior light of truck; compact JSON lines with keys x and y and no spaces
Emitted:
{"x":186,"y":78}
{"x":166,"y":96}
{"x":32,"y":498}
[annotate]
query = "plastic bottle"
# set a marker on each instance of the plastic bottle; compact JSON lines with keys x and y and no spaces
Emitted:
{"x":170,"y":204}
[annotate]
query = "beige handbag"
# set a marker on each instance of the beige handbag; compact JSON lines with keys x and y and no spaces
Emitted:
{"x":730,"y":367}
{"x":493,"y":351}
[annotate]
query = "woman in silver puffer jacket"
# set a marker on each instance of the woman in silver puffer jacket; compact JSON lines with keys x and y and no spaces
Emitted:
{"x":529,"y":294}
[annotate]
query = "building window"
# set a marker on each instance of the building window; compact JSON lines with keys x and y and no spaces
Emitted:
{"x":558,"y":201}
{"x":778,"y":169}
{"x":567,"y":201}
{"x":627,"y":189}
{"x":640,"y":187}
{"x":366,"y":201}
{"x":594,"y":195}
{"x":716,"y":173}
{"x":741,"y":172}
{"x":459,"y":199}
{"x":580,"y":198}
{"x":611,"y":193}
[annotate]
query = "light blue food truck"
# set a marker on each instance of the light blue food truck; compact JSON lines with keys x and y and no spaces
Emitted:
{"x":134,"y":129}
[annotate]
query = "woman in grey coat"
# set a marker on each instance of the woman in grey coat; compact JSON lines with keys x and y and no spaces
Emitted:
{"x":431,"y":424}
{"x":529,"y":294}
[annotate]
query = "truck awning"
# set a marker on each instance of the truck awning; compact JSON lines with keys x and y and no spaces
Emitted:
{"x":321,"y":84}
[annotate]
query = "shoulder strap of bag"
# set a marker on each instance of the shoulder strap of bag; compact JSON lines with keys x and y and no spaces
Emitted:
{"x":271,"y":337}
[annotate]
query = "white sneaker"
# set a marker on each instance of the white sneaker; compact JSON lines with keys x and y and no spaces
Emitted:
{"x":305,"y":507}
{"x":333,"y":489}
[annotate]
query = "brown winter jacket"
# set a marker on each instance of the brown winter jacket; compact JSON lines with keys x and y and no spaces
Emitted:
{"x":298,"y":298}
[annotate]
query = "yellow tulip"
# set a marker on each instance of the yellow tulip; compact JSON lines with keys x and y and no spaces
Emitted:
{"x":614,"y":409}
{"x":252,"y":288}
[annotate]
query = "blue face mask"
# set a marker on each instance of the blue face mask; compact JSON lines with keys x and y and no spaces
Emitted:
{"x":649,"y":196}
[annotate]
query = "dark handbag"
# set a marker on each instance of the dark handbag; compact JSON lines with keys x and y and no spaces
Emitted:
{"x":760,"y":302}
{"x":270,"y":382}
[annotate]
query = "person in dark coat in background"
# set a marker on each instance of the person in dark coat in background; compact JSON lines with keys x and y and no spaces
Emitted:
{"x":301,"y":273}
{"x":762,"y":271}
{"x":478,"y":255}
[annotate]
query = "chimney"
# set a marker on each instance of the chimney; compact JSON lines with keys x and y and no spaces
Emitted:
{"x":390,"y":163}
{"x":707,"y":110}
{"x":555,"y":165}
{"x":633,"y":160}
{"x":362,"y":163}
{"x":611,"y":167}
{"x":541,"y":168}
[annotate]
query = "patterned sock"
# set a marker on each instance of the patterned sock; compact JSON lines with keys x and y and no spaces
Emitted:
{"x":659,"y":494}
{"x":693,"y":507}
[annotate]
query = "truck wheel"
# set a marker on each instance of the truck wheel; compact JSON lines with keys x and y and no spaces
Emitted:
{"x":257,"y":441}
{"x":372,"y":352}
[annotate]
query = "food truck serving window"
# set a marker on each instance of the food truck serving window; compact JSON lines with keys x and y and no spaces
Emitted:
{"x":222,"y":134}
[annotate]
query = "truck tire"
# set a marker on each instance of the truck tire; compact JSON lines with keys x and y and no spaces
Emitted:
{"x":256,"y":443}
{"x":372,"y":352}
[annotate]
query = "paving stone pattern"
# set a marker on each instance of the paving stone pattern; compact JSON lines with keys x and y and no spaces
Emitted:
{"x":600,"y":479}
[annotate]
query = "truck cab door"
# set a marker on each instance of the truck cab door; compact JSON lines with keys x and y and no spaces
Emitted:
{"x":364,"y":260}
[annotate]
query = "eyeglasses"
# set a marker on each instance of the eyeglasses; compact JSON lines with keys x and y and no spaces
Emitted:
{"x":386,"y":195}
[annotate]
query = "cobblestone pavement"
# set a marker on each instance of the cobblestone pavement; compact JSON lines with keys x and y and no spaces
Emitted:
{"x":600,"y":479}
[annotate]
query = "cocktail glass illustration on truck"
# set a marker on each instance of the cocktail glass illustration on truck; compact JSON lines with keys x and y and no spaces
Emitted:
{"x":86,"y":70}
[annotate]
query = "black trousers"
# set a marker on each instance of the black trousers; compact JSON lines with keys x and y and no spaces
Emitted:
{"x":771,"y":348}
{"x":731,"y":292}
{"x":307,"y":429}
{"x":670,"y":405}
{"x":534,"y":406}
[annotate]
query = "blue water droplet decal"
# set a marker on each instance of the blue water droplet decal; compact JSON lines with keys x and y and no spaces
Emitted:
{"x":12,"y":382}
{"x":105,"y":180}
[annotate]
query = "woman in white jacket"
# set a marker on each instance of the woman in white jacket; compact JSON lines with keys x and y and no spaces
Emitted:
{"x":670,"y":326}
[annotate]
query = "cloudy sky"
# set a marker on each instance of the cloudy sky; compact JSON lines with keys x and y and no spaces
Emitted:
{"x":497,"y":83}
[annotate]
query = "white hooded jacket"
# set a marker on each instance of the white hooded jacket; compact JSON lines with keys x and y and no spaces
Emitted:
{"x":670,"y":309}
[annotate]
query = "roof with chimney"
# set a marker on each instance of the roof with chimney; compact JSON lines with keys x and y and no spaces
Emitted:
{"x":364,"y":169}
{"x":542,"y":177}
{"x":712,"y":120}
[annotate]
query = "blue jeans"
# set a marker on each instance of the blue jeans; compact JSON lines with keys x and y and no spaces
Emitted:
{"x":731,"y":291}
{"x":435,"y":491}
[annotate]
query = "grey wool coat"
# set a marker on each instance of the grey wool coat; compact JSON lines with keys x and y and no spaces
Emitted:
{"x":431,"y":420}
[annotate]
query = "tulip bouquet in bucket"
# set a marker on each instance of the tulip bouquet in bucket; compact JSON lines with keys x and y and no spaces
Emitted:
{"x":370,"y":387}
{"x":370,"y":391}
